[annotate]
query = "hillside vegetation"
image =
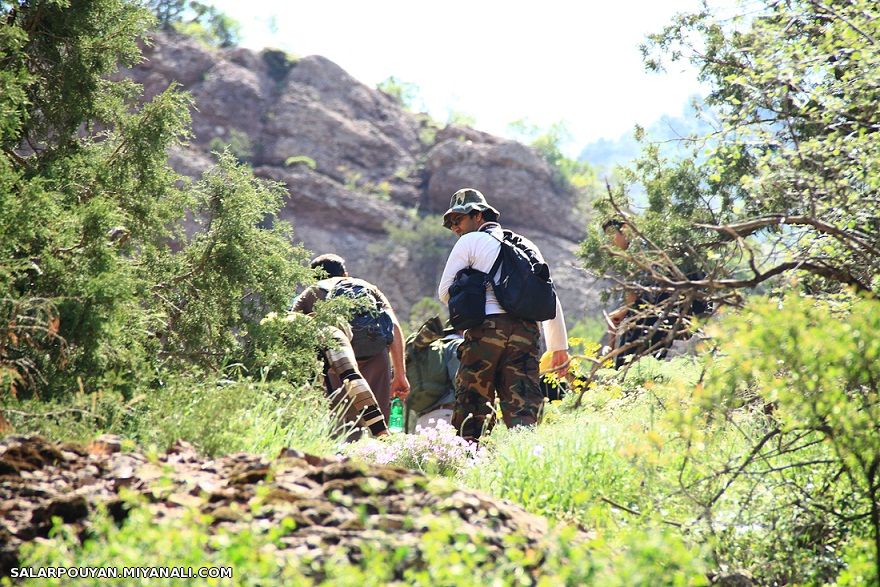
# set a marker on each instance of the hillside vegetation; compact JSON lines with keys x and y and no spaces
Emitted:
{"x":138,"y":303}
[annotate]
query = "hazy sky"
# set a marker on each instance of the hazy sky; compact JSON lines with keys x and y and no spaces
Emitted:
{"x":569,"y":61}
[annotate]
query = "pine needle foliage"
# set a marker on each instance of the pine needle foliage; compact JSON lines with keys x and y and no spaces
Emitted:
{"x":113,"y":268}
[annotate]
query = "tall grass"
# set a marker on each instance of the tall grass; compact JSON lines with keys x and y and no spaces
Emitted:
{"x":216,"y":416}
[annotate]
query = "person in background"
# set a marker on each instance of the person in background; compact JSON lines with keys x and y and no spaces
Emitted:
{"x":649,"y":321}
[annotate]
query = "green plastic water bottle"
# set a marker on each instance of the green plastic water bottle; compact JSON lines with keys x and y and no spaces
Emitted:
{"x":395,"y":420}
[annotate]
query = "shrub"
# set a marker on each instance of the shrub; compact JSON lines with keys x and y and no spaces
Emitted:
{"x":301,"y":160}
{"x":236,"y":142}
{"x":92,"y":239}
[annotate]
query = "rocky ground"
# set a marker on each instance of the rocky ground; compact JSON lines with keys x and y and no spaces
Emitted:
{"x":325,"y":496}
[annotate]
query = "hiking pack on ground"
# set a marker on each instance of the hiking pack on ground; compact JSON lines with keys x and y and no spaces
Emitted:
{"x":371,"y":326}
{"x":426,"y":367}
{"x":524,"y":289}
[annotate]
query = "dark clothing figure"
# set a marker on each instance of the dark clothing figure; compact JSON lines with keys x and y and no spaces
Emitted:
{"x":656,"y":322}
{"x":649,"y":321}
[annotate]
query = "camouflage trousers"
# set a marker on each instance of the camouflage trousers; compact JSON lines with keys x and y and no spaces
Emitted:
{"x":499,"y":359}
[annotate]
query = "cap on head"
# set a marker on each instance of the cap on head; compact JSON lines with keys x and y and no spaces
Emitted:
{"x":615,"y":222}
{"x":465,"y":201}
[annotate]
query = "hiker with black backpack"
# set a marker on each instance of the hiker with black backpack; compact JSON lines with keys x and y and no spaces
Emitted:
{"x":499,"y":291}
{"x":375,"y":329}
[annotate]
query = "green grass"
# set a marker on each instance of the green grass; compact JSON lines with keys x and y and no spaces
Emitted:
{"x":216,"y":416}
{"x":647,"y":466}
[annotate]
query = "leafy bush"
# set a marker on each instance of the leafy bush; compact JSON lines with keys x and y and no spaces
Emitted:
{"x":282,"y":345}
{"x":92,"y":240}
{"x":783,"y":185}
{"x":577,"y":176}
{"x":77,"y":417}
{"x":404,"y":93}
{"x":301,"y":160}
{"x":236,"y":142}
{"x":197,"y":19}
{"x":218,"y":416}
{"x":279,"y":63}
{"x":820,"y":383}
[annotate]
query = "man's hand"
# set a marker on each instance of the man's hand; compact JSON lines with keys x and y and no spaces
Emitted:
{"x":616,"y":317}
{"x":558,"y":359}
{"x":400,"y":387}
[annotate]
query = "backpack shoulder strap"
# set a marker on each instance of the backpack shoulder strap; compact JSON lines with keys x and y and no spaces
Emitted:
{"x":497,"y":264}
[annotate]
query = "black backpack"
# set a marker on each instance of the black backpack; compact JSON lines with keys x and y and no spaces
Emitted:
{"x":371,"y":327}
{"x":467,"y":299}
{"x":525,"y":289}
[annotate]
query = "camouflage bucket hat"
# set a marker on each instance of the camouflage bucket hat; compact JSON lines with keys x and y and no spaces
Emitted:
{"x":465,"y":201}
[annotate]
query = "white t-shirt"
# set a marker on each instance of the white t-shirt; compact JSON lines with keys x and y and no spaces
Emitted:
{"x":479,"y":250}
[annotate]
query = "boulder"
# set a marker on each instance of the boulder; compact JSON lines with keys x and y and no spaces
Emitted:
{"x":230,"y":98}
{"x":514,"y":179}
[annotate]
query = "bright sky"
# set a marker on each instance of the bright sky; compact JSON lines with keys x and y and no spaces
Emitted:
{"x":546,"y":61}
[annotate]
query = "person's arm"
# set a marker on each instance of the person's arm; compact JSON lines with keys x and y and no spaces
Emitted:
{"x":305,"y":302}
{"x":399,"y":382}
{"x":556,"y":339}
{"x":458,"y":260}
{"x":614,"y":319}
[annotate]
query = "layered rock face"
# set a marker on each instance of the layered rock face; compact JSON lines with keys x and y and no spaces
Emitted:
{"x":354,"y":162}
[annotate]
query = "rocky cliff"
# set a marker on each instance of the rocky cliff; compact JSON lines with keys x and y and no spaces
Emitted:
{"x":354,"y":162}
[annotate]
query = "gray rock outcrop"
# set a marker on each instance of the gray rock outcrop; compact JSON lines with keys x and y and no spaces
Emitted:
{"x":353,"y":160}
